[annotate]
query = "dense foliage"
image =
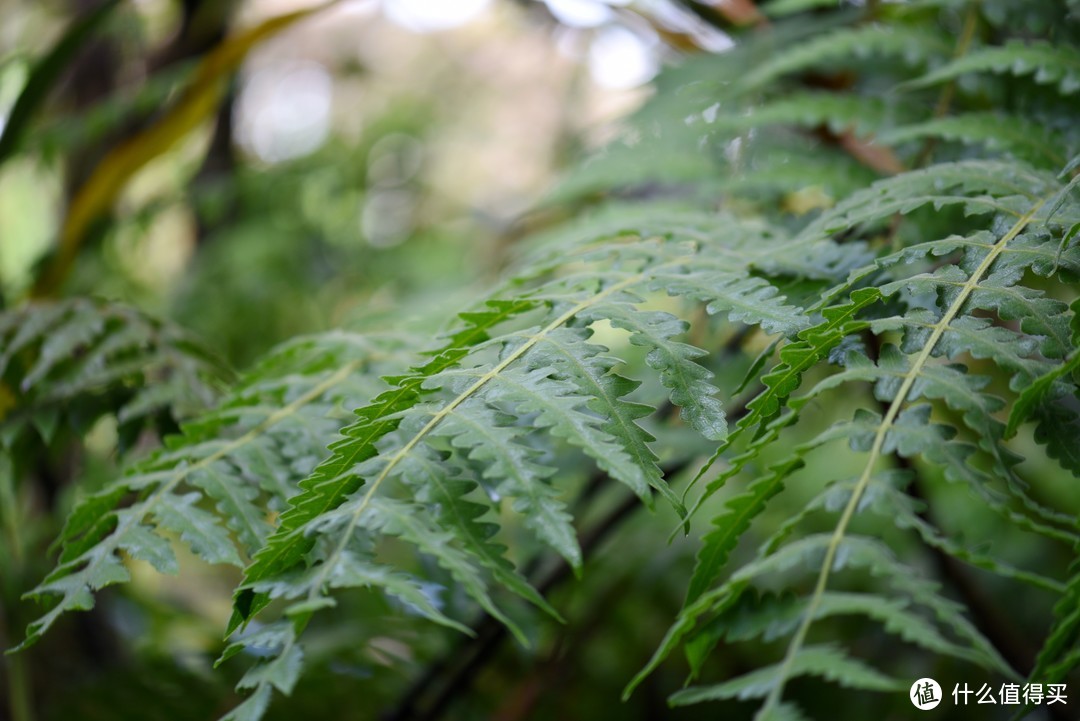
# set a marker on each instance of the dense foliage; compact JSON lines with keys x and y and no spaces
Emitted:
{"x":816,"y":308}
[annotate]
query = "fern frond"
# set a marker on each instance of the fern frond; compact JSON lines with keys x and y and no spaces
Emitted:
{"x":584,"y":365}
{"x":874,"y":556}
{"x":829,"y":662}
{"x":1055,"y":407}
{"x":910,"y":45}
{"x":546,"y":377}
{"x":914,"y":434}
{"x":55,"y":353}
{"x":900,"y":397}
{"x":687,"y":380}
{"x":978,"y":186}
{"x":885,"y":497}
{"x":1057,"y":65}
{"x":891,"y":503}
{"x":330,"y":482}
{"x":796,"y":358}
{"x":515,"y":468}
{"x":730,"y":525}
{"x":1025,"y":139}
{"x":1048,"y":398}
{"x":556,"y":405}
{"x":236,"y":460}
{"x":772,"y":616}
{"x":1057,"y":429}
{"x":838,"y":113}
{"x":1059,"y":654}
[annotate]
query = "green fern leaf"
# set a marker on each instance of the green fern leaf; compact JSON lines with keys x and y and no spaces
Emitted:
{"x":956,"y":300}
{"x":55,"y":354}
{"x":839,"y":113}
{"x":730,"y":525}
{"x":906,"y":316}
{"x":745,"y":299}
{"x":75,"y":582}
{"x":1058,"y":428}
{"x":253,"y":707}
{"x":978,"y":186}
{"x":796,"y":358}
{"x":560,"y":409}
{"x":331,"y":483}
{"x":508,"y":461}
{"x":912,"y":46}
{"x":1057,"y":65}
{"x":828,"y":662}
{"x":409,"y":522}
{"x":283,"y":671}
{"x":353,"y":569}
{"x":688,"y":381}
{"x":584,"y":365}
{"x":308,"y":377}
{"x":1023,"y":138}
{"x":1058,"y":655}
{"x":462,"y":515}
{"x":862,"y":552}
{"x":773,"y":617}
{"x":1041,"y":394}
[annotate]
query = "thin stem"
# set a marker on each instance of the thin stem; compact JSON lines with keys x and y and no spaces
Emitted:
{"x":898,"y":402}
{"x":19,"y":689}
{"x":9,"y":501}
{"x":948,"y":92}
{"x":18,"y":681}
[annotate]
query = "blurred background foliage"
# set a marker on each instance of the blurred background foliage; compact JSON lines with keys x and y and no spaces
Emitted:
{"x":356,"y":168}
{"x":370,"y":166}
{"x":356,"y":156}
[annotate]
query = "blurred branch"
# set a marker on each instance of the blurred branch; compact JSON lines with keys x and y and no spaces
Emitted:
{"x":740,"y":13}
{"x":444,"y":680}
{"x":97,"y":195}
{"x":218,"y":166}
{"x":203,"y":25}
{"x":729,"y":16}
{"x":46,"y":73}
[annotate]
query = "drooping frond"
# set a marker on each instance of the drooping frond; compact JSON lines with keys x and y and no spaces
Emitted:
{"x":515,"y":370}
{"x":953,"y":305}
{"x":1048,"y":64}
{"x":914,"y":47}
{"x":54,"y":354}
{"x":216,"y":484}
{"x":1025,"y":139}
